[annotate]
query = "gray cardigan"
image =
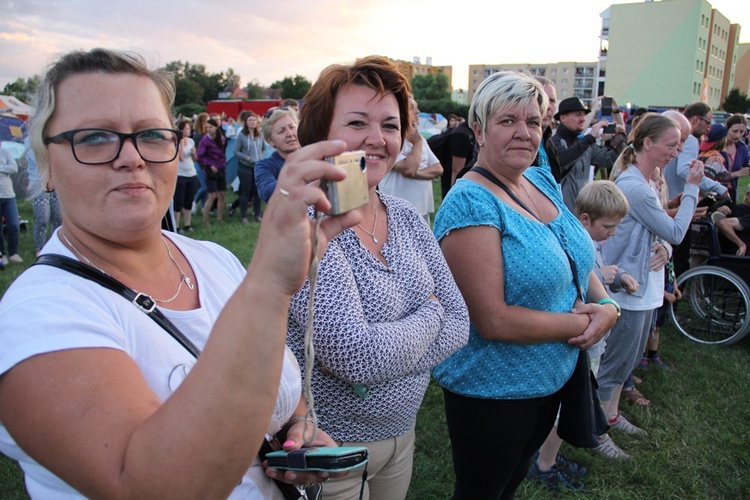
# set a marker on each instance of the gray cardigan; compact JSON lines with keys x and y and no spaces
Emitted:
{"x":248,"y":150}
{"x":645,"y":224}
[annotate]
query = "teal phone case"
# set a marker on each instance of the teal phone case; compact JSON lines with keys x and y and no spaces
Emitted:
{"x":326,"y":459}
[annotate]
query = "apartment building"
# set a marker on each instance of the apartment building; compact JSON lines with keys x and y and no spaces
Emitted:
{"x":667,"y":53}
{"x":570,"y":78}
{"x":414,"y":68}
{"x":742,"y":68}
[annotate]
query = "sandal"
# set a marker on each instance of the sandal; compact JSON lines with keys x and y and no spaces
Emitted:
{"x":634,"y":397}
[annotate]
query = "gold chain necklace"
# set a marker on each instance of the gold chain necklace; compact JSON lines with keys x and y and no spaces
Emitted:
{"x":185,"y":279}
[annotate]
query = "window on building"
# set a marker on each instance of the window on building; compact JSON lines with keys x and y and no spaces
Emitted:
{"x":565,"y":71}
{"x":565,"y":81}
{"x":564,"y":92}
{"x":554,"y":71}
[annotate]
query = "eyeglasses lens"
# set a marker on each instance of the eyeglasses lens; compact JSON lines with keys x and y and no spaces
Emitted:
{"x":103,"y":146}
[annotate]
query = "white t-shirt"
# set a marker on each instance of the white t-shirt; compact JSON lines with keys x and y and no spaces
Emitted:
{"x":416,"y":191}
{"x":186,"y":167}
{"x":48,"y":309}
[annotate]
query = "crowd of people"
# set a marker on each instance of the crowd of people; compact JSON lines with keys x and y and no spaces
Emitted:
{"x":554,"y":251}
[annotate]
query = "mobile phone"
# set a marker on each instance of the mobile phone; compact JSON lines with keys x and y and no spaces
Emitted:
{"x":324,"y":459}
{"x":610,"y":129}
{"x":352,"y":192}
{"x":606,"y":106}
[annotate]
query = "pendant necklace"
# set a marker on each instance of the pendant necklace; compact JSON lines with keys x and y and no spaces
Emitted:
{"x":185,"y":279}
{"x":532,"y":199}
{"x":374,"y":225}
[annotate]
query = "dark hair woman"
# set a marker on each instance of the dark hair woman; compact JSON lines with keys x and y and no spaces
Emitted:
{"x":213,"y":161}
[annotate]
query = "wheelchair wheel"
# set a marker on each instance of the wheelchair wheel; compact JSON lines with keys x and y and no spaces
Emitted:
{"x":714,"y":306}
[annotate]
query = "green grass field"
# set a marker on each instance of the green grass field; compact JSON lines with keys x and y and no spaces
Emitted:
{"x":699,"y":425}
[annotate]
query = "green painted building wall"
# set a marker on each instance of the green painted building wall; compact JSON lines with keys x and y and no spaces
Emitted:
{"x":655,"y":52}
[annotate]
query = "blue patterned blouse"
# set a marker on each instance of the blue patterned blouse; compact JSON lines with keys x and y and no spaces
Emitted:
{"x":537,"y":276}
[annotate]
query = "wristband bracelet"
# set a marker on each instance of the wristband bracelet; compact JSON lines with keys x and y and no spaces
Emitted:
{"x":607,"y":300}
{"x":294,"y":420}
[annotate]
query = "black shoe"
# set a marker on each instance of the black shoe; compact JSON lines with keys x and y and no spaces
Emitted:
{"x":554,"y":479}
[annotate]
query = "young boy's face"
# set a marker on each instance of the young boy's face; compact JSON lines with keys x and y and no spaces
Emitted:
{"x":601,"y":228}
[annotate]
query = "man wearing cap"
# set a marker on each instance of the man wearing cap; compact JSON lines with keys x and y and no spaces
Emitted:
{"x":575,"y":151}
{"x":712,"y":154}
{"x":737,"y":227}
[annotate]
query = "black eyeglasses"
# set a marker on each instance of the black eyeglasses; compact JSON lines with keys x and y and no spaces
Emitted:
{"x":273,"y":110}
{"x":97,"y":146}
{"x":705,"y":120}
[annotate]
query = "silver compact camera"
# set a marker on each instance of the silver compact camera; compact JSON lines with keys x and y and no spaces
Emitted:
{"x":352,"y":192}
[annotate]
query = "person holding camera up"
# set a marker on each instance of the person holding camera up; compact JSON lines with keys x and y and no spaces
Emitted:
{"x":386,"y":306}
{"x":98,"y":400}
{"x":576,"y":151}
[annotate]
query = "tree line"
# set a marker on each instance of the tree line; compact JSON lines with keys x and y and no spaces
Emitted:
{"x":196,"y":86}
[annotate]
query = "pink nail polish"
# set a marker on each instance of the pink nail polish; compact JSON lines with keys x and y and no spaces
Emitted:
{"x":288,"y":443}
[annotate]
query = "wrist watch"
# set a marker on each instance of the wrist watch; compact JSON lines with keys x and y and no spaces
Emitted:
{"x":607,"y":300}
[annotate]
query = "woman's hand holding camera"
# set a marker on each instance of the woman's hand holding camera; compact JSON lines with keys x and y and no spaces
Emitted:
{"x":287,"y":234}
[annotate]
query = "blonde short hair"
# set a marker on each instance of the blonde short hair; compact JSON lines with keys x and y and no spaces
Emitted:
{"x":81,"y":62}
{"x":601,"y":199}
{"x":503,"y":90}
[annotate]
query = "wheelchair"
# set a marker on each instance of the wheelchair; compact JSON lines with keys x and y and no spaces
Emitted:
{"x":715,"y":305}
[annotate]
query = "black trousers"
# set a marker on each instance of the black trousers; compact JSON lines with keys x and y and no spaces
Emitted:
{"x":493,"y":440}
{"x":248,"y":190}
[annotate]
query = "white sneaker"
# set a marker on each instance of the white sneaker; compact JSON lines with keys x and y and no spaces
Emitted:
{"x":608,"y":449}
{"x":15,"y":258}
{"x":622,"y":425}
{"x":4,"y":259}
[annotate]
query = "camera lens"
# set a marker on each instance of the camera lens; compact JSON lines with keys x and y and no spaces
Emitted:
{"x":362,"y":162}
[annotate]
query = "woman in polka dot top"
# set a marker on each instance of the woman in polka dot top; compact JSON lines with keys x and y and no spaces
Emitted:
{"x":510,"y":261}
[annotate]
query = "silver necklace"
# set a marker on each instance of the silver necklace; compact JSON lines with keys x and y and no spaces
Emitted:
{"x":532,"y":199}
{"x":185,"y":279}
{"x":374,"y":225}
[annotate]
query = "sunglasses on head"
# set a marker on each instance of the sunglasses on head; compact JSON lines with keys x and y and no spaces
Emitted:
{"x":273,"y":110}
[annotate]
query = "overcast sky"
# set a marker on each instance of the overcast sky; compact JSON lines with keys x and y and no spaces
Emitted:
{"x":266,"y":40}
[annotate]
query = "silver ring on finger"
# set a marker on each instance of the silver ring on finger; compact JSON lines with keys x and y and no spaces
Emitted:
{"x":283,"y":191}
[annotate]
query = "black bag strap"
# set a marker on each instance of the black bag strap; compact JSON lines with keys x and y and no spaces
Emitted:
{"x":484,"y":173}
{"x":143,"y":302}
